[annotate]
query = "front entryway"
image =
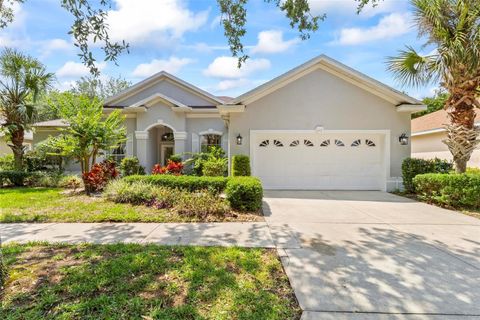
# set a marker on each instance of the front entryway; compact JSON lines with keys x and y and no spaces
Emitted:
{"x":320,"y":160}
{"x":166,"y":153}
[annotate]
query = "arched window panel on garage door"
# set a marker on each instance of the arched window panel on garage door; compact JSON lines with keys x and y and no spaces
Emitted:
{"x":294,"y":143}
{"x":325,"y":143}
{"x":264,"y":143}
{"x":277,"y":143}
{"x":356,"y":143}
{"x":308,"y":143}
{"x":339,"y":143}
{"x":369,"y":143}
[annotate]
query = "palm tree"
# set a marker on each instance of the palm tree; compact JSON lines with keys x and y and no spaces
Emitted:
{"x":22,"y":79}
{"x":452,"y":27}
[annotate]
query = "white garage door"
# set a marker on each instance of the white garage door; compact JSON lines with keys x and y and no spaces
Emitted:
{"x":329,"y":161}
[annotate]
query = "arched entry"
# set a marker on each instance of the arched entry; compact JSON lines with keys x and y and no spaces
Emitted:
{"x":157,"y":143}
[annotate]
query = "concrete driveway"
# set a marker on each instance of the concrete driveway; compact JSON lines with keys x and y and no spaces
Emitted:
{"x":374,"y":255}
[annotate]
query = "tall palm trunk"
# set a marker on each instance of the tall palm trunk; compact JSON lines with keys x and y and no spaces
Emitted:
{"x":17,"y":147}
{"x":462,"y":136}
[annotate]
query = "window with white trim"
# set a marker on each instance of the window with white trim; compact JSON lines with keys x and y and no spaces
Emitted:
{"x":118,"y":153}
{"x":210,"y":140}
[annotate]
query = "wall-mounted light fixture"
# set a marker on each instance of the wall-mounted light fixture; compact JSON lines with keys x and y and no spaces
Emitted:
{"x":239,"y":139}
{"x":167,"y":136}
{"x":403,"y":139}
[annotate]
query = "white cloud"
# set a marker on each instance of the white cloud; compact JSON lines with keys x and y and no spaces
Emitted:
{"x":149,"y":20}
{"x":49,"y":46}
{"x":73,"y":69}
{"x":172,"y":65}
{"x":232,"y":84}
{"x":390,"y":26}
{"x":349,"y":7}
{"x":227,"y":67}
{"x":271,"y":41}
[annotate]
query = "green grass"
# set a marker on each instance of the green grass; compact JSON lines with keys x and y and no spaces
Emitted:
{"x":131,"y":281}
{"x":52,"y":205}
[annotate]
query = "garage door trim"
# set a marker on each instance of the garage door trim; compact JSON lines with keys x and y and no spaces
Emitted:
{"x":385,"y":133}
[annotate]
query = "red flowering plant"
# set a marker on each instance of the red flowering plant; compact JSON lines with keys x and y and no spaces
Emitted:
{"x":97,"y":178}
{"x":172,"y":167}
{"x":158,"y":169}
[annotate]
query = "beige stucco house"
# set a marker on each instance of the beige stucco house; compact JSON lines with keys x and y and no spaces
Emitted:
{"x":5,"y":149}
{"x":321,"y":125}
{"x":428,"y":133}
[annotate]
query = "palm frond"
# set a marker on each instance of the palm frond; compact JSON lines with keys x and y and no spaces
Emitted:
{"x":412,"y":69}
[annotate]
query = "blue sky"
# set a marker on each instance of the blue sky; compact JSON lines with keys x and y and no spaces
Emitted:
{"x":185,"y":38}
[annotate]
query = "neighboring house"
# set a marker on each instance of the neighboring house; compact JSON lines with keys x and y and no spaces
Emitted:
{"x":5,"y":149}
{"x":321,"y":125}
{"x":428,"y":132}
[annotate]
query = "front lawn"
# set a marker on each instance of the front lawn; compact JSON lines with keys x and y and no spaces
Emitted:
{"x":55,"y":205}
{"x":131,"y":281}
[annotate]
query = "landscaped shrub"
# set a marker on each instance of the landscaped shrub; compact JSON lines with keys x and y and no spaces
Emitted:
{"x":175,"y":158}
{"x":189,"y":183}
{"x":200,"y":205}
{"x":43,"y":179}
{"x":70,"y":182}
{"x":99,"y":176}
{"x":44,"y":158}
{"x":454,"y":190}
{"x":412,"y":167}
{"x":194,"y":165}
{"x":130,"y":166}
{"x":172,"y":167}
{"x":123,"y":192}
{"x":165,"y":197}
{"x":12,"y":177}
{"x":215,"y":167}
{"x":244,"y":193}
{"x":7,"y":162}
{"x":473,"y":170}
{"x":241,"y":166}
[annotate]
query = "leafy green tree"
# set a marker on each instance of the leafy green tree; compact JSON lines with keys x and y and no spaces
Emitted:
{"x":90,"y":131}
{"x":435,"y":103}
{"x":99,"y":88}
{"x":22,"y":79}
{"x":453,"y":27}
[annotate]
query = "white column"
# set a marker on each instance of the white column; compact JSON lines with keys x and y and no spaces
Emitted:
{"x":180,"y":138}
{"x":143,"y":152}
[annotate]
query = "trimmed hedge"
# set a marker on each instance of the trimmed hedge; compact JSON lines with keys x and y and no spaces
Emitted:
{"x":241,"y":166}
{"x":454,"y":190}
{"x":412,"y":167}
{"x":244,"y":193}
{"x":190,"y":183}
{"x":13,"y":177}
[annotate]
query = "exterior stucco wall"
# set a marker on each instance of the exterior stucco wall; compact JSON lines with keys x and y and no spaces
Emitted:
{"x":169,"y":89}
{"x":131,"y":145}
{"x":429,"y":142}
{"x":430,"y":146}
{"x":160,"y":112}
{"x":322,"y":99}
{"x":4,"y":148}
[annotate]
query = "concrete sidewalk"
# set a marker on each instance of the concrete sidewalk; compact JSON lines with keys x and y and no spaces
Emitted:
{"x":243,"y":234}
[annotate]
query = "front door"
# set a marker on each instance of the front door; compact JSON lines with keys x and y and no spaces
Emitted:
{"x":167,"y":152}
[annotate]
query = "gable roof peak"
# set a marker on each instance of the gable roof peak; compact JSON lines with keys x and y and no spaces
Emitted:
{"x":155,"y":78}
{"x":335,"y":67}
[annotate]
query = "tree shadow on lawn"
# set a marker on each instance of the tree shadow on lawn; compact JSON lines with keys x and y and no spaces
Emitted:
{"x":129,"y":281}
